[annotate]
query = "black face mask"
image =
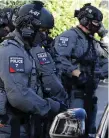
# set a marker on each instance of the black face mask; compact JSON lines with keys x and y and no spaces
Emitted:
{"x":93,"y":28}
{"x":41,"y":39}
{"x":44,"y":36}
{"x":28,"y":35}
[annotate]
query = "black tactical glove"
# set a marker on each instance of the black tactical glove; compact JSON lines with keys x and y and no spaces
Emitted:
{"x":51,"y":114}
{"x":81,"y":80}
{"x":63,"y":106}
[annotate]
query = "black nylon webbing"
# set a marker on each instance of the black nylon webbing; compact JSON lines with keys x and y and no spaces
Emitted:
{"x":90,"y":83}
{"x":85,"y":54}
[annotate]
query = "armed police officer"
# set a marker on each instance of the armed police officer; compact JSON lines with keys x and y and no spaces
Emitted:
{"x":18,"y":70}
{"x":45,"y":65}
{"x":78,"y":63}
{"x":51,"y":85}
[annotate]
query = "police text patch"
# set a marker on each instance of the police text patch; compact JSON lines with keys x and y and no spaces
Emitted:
{"x":43,"y":58}
{"x":16,"y":64}
{"x":63,"y":41}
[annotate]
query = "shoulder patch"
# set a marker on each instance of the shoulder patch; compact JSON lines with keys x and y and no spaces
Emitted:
{"x":16,"y":64}
{"x":43,"y":58}
{"x":63,"y":41}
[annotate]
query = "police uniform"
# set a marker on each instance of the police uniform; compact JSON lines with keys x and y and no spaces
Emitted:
{"x":74,"y":50}
{"x":16,"y":72}
{"x":45,"y":65}
{"x":15,"y":68}
{"x":51,"y":85}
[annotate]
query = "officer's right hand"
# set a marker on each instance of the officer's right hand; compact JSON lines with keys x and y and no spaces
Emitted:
{"x":76,"y":73}
{"x":81,"y":79}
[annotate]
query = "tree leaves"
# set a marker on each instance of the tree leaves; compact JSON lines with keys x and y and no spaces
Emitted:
{"x":62,"y":10}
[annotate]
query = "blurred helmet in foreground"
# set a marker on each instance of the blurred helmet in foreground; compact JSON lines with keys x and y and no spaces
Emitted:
{"x":69,"y":124}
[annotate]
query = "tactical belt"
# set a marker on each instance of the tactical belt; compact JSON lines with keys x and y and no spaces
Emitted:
{"x":15,"y":121}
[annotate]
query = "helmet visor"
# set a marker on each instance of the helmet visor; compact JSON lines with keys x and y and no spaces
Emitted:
{"x":96,"y":23}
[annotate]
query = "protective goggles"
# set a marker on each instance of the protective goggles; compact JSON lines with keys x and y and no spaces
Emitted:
{"x":96,"y":23}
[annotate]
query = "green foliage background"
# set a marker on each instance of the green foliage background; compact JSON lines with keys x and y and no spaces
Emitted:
{"x":62,"y":10}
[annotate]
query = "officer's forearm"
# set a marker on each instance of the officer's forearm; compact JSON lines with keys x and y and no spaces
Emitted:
{"x":30,"y":102}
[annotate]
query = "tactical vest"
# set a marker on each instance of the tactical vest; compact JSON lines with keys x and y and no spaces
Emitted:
{"x":15,"y":121}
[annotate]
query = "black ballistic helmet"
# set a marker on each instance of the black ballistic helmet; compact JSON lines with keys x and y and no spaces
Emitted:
{"x":88,"y":13}
{"x":36,"y":15}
